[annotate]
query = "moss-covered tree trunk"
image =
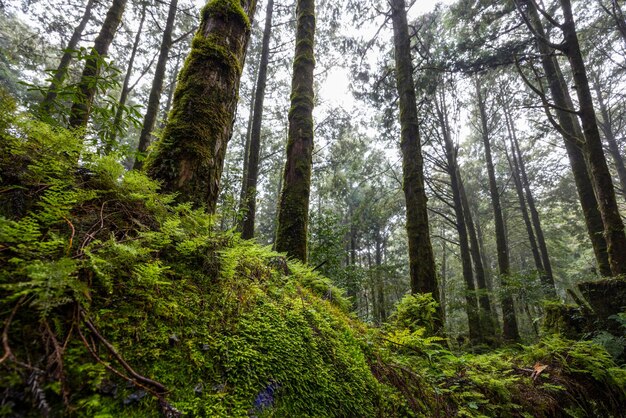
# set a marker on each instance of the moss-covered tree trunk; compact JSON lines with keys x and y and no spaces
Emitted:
{"x":572,"y":137}
{"x":190,"y":157}
{"x":254,"y":150}
{"x":421,"y":259}
{"x":152,"y":111}
{"x":510,"y":329}
{"x":47,"y":103}
{"x":471,"y":303}
{"x":293,"y":216}
{"x":119,"y":113}
{"x":614,"y":232}
{"x":81,"y":108}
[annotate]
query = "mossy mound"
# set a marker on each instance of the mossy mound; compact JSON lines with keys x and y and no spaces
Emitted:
{"x":116,"y":301}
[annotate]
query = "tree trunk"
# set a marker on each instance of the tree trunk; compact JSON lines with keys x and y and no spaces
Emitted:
{"x":249,"y":200}
{"x":573,"y":141}
{"x":294,"y":202}
{"x":47,"y":104}
{"x":613,"y":225}
{"x":190,"y":157}
{"x":520,"y":178}
{"x":486,"y":313}
{"x":380,"y":284}
{"x":126,"y":86}
{"x":471,"y":303}
{"x":170,"y":93}
{"x":421,"y":259}
{"x":609,"y":134}
{"x":152,"y":111}
{"x":81,"y":108}
{"x":510,"y":329}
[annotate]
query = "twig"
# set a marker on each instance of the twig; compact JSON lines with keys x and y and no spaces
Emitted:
{"x":69,"y":247}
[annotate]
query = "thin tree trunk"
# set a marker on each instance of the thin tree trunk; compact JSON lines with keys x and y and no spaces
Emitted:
{"x":487,"y":314}
{"x":190,"y":157}
{"x":252,"y":163}
{"x":471,"y":303}
{"x":510,"y":329}
{"x":607,"y":129}
{"x":47,"y":104}
{"x":572,"y":139}
{"x":170,"y":93}
{"x":81,"y":108}
{"x":152,"y":111}
{"x":293,"y":216}
{"x":613,"y":226}
{"x":380,"y":285}
{"x":119,"y":113}
{"x":421,"y":259}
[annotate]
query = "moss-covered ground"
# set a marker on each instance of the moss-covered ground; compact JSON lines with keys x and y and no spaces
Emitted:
{"x":118,"y":302}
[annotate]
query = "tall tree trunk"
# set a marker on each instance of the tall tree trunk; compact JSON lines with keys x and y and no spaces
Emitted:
{"x":252,"y":163}
{"x":471,"y":303}
{"x":380,"y":284}
{"x":613,"y":226}
{"x":293,"y":215}
{"x":246,"y":153}
{"x":119,"y":113}
{"x":609,"y":134}
{"x":487,"y":314}
{"x":522,"y":185}
{"x":47,"y":104}
{"x":510,"y":329}
{"x":190,"y":157}
{"x":421,"y":259}
{"x":81,"y":108}
{"x":152,"y":111}
{"x":170,"y":93}
{"x":572,"y":138}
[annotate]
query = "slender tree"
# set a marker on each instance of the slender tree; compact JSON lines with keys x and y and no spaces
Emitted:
{"x":421,"y":259}
{"x":119,"y":113}
{"x":614,"y":232}
{"x":252,"y":172}
{"x":152,"y":111}
{"x":190,"y":157}
{"x":61,"y":72}
{"x":570,"y":130}
{"x":291,"y":236}
{"x":81,"y":108}
{"x":510,"y":329}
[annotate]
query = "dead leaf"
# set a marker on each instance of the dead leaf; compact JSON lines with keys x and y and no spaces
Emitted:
{"x":538,"y":368}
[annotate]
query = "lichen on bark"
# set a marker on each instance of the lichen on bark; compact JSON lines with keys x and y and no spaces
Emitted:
{"x":190,"y":156}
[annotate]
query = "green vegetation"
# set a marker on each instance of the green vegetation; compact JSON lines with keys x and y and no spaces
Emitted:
{"x":118,"y":301}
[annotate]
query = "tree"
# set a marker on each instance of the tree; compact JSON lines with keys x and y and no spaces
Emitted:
{"x":152,"y":110}
{"x":570,"y":129}
{"x":190,"y":156}
{"x":421,"y":259}
{"x":47,"y":103}
{"x":291,"y":236}
{"x":119,"y":113}
{"x":252,"y":162}
{"x":81,"y":108}
{"x":510,"y":329}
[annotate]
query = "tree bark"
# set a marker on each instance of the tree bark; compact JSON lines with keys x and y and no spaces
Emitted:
{"x":572,"y":139}
{"x":613,"y":226}
{"x":170,"y":93}
{"x":252,"y":172}
{"x":152,"y":111}
{"x":47,"y":104}
{"x":609,"y":135}
{"x":119,"y":113}
{"x":190,"y":157}
{"x":294,"y":202}
{"x":423,"y":274}
{"x":471,"y":303}
{"x":510,"y":329}
{"x":81,"y":108}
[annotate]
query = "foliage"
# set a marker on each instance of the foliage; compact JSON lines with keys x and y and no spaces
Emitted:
{"x":416,"y":311}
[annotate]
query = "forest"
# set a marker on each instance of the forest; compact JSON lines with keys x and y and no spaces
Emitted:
{"x":312,"y":208}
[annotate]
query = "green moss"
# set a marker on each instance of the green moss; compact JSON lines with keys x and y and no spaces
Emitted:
{"x":225,"y":9}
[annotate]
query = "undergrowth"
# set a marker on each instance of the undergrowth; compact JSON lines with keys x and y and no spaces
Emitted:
{"x":116,"y":301}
